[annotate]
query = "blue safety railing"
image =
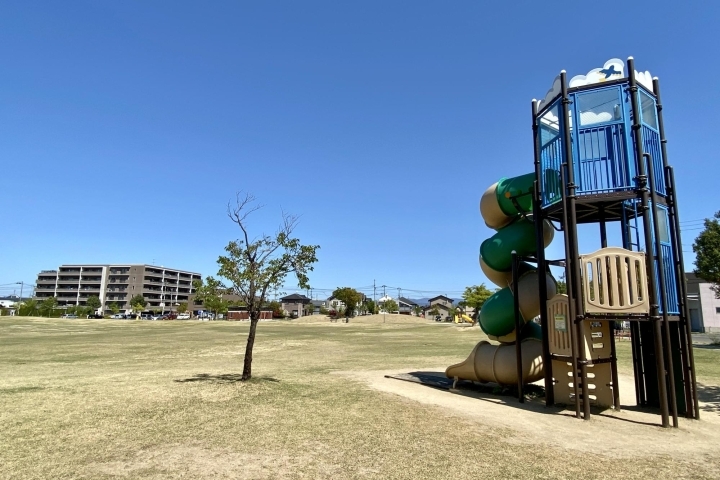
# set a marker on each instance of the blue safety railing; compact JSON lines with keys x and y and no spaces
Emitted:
{"x":601,"y":160}
{"x":602,"y":142}
{"x":551,"y":159}
{"x":670,"y":282}
{"x":651,"y":145}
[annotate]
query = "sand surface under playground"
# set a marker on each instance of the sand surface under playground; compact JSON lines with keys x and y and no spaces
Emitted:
{"x":626,"y":433}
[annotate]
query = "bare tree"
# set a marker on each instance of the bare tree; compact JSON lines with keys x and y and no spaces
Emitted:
{"x":257,"y":266}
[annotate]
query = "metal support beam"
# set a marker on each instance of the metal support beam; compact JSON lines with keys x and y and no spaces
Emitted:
{"x":574,"y":284}
{"x":663,"y":291}
{"x":644,"y":205}
{"x":541,"y":263}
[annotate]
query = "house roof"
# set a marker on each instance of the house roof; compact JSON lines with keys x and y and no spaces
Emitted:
{"x":407,"y":301}
{"x":443,"y":297}
{"x":295,"y":297}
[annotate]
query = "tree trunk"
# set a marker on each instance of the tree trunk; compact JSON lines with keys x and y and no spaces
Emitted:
{"x":247,"y":366}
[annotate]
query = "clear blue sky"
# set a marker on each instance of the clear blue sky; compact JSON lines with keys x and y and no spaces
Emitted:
{"x":125,"y":127}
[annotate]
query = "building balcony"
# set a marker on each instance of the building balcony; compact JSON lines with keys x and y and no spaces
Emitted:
{"x":66,"y":295}
{"x":67,"y":288}
{"x":46,"y":279}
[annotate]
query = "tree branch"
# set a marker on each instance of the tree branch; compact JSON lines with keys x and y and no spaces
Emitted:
{"x":240,"y":212}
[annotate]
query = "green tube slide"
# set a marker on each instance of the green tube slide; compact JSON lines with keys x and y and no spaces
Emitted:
{"x":496,"y":251}
{"x":514,"y":196}
{"x":497,"y":316}
{"x":501,"y":207}
{"x":518,"y":187}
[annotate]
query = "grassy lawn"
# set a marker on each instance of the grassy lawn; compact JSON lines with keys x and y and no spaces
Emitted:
{"x":126,"y":399}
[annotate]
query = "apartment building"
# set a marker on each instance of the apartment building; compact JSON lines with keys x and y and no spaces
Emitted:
{"x":163,"y":288}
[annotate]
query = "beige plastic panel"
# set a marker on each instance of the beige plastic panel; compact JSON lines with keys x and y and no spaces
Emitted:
{"x":563,"y":382}
{"x":597,"y":334}
{"x":597,"y":339}
{"x":600,"y":388}
{"x":614,"y":281}
{"x":559,"y":325}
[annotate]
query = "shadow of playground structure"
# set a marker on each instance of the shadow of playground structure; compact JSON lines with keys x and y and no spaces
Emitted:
{"x":223,"y":378}
{"x":710,"y":396}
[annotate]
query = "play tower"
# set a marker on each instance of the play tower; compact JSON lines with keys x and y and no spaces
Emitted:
{"x":600,"y":159}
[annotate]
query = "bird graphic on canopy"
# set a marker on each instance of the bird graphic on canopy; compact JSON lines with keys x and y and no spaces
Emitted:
{"x":610,"y":72}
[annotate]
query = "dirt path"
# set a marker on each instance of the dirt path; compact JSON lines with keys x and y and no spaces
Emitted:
{"x":624,"y":434}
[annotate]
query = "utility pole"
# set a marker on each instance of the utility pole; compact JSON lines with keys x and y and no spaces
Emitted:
{"x":374,"y":304}
{"x":384,"y":295}
{"x":17,"y":311}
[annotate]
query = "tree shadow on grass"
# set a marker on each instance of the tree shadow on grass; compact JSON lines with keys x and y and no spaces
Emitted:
{"x":710,"y":396}
{"x":223,"y":378}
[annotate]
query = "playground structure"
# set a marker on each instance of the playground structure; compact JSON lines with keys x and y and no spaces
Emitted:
{"x":600,"y":158}
{"x":460,"y":317}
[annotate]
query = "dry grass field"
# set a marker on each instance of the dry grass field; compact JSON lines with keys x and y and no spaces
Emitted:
{"x":101,"y":399}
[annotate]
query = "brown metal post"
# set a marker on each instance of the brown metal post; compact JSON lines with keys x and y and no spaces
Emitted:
{"x":663,"y":292}
{"x":691,"y":400}
{"x":681,"y":280}
{"x":541,"y":264}
{"x":574,"y":283}
{"x":644,"y":206}
{"x":571,"y":303}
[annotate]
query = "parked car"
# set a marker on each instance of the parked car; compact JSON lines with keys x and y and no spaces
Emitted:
{"x":118,"y":315}
{"x":94,"y":315}
{"x":69,"y":315}
{"x":146,"y":316}
{"x":183,"y":316}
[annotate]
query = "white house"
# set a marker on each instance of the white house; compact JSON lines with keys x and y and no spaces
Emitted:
{"x":703,"y":307}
